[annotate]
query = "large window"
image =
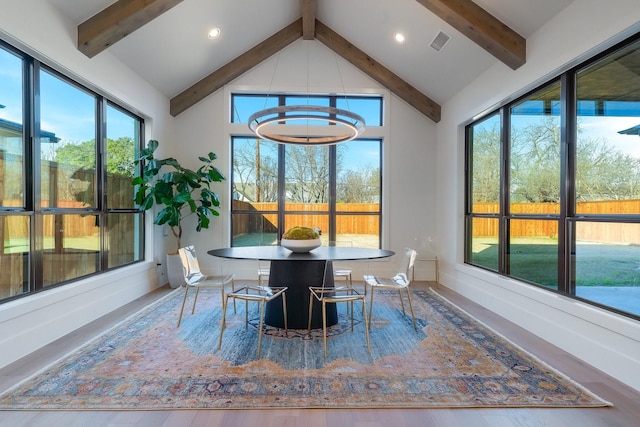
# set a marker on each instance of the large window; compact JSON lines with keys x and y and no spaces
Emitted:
{"x":66,"y":164}
{"x":334,"y":188}
{"x":553,"y":184}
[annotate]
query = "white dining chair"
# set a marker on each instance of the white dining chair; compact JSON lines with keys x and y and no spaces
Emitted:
{"x":194,"y":278}
{"x":400,"y":281}
{"x":260,"y":294}
{"x":331,"y":294}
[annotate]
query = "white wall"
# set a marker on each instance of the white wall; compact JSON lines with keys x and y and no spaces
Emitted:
{"x":29,"y":323}
{"x":408,"y":144}
{"x":607,"y":341}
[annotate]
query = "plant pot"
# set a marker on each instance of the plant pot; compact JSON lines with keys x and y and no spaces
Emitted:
{"x":175,"y":273}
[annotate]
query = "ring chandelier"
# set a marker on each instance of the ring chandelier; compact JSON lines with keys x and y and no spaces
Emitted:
{"x":351,"y":124}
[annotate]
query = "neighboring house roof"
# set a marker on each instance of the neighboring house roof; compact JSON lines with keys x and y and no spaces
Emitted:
{"x":16,"y":128}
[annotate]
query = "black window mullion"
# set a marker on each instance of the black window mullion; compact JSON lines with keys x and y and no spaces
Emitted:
{"x":566,"y":238}
{"x":32,"y":90}
{"x":468,"y":194}
{"x":332,"y":182}
{"x":505,"y":200}
{"x":332,"y":192}
{"x":101,"y":177}
{"x":281,"y":190}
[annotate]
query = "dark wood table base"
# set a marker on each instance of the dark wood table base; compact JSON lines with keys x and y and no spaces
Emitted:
{"x":298,"y":276}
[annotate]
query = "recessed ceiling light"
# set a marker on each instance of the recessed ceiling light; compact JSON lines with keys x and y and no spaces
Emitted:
{"x":399,"y":37}
{"x":214,"y":33}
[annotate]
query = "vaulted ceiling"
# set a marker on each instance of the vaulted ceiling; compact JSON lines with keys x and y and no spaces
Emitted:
{"x":165,"y":40}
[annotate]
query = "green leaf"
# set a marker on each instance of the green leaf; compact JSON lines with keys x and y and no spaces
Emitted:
{"x":215,"y":175}
{"x":170,"y":186}
{"x":147,"y":203}
{"x":181,"y":198}
{"x":152,"y":145}
{"x":203,"y":222}
{"x":170,"y":162}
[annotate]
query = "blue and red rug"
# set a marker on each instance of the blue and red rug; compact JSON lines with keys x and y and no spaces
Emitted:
{"x":147,"y":363}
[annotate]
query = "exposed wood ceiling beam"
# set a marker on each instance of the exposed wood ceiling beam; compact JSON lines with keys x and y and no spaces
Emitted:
{"x":308,"y":19}
{"x":117,"y":21}
{"x":483,"y":28}
{"x":377,"y":71}
{"x":236,"y":67}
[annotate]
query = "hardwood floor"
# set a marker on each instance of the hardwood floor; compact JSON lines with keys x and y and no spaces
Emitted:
{"x":624,"y":413}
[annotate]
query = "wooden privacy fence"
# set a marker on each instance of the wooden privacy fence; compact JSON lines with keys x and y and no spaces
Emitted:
{"x":586,"y":231}
{"x":74,"y":225}
{"x":314,"y":216}
{"x":119,"y":195}
{"x":86,"y":225}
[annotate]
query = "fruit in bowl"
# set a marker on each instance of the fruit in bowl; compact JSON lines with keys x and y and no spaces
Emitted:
{"x":301,"y":239}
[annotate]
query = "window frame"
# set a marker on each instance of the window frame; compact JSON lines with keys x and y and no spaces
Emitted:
{"x":31,"y":175}
{"x":332,"y":212}
{"x":567,"y":218}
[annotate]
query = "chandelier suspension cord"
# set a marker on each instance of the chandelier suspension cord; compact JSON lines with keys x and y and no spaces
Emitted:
{"x":273,"y":76}
{"x":346,"y":98}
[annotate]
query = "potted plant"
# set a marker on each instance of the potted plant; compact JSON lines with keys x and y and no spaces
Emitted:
{"x":179,"y":192}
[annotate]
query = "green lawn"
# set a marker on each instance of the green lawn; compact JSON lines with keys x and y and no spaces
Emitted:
{"x":18,"y":245}
{"x":534,"y":259}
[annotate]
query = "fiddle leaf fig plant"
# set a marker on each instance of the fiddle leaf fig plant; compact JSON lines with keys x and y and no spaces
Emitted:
{"x":179,"y":191}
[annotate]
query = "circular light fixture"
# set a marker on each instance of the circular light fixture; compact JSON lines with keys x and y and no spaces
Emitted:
{"x":214,"y":33}
{"x":399,"y":37}
{"x":352,"y":124}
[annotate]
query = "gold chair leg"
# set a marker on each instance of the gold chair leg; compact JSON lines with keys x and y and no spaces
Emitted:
{"x":193,"y":309}
{"x":370,"y":307}
{"x":222,"y":295}
{"x":246,"y":314}
{"x":224,"y":316}
{"x":366,"y":324}
{"x":401,"y":302}
{"x":324,"y":326}
{"x":260,"y":330}
{"x":347,"y":281}
{"x":411,"y":308}
{"x":284,"y":310}
{"x":310,"y":312}
{"x":351,"y":287}
{"x":186,"y":290}
{"x":350,"y":303}
{"x":233,"y":289}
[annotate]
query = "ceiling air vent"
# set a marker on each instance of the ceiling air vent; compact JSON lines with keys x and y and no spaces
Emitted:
{"x":439,"y":41}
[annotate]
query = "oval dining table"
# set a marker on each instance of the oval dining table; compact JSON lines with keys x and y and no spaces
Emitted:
{"x":299,"y":271}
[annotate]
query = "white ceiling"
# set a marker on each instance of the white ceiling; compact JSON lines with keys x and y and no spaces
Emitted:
{"x":173,"y":52}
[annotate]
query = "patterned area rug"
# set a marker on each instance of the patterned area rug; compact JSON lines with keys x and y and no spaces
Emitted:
{"x":147,"y":363}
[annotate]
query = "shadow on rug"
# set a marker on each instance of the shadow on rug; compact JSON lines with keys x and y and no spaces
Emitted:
{"x":147,"y":363}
